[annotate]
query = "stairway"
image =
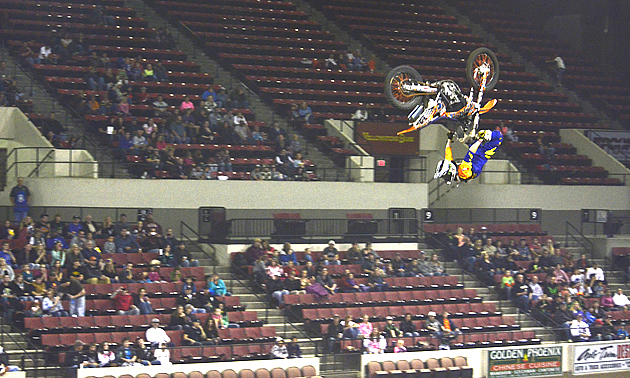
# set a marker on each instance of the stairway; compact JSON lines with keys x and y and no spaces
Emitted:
{"x":45,"y":103}
{"x":223,"y":77}
{"x":25,"y":356}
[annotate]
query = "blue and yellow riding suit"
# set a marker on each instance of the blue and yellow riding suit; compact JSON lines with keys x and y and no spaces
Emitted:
{"x":473,"y":162}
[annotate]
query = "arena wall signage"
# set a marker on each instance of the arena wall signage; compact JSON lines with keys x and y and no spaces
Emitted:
{"x":536,"y":361}
{"x":600,"y":358}
{"x":378,"y":138}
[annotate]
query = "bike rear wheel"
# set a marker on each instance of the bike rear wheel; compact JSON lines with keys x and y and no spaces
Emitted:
{"x":394,"y":92}
{"x":482,"y":57}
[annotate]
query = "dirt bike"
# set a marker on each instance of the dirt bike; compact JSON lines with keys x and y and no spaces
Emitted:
{"x":431,"y":102}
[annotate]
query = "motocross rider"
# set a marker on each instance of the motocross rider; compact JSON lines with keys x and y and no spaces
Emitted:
{"x":477,"y":156}
{"x":449,"y":99}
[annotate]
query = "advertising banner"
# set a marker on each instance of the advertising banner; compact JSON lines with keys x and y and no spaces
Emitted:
{"x":616,"y":143}
{"x":534,"y":361}
{"x":600,"y":358}
{"x":379,"y":138}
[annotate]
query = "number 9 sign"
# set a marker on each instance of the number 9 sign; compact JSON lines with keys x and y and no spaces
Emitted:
{"x":534,"y":214}
{"x":428,"y":215}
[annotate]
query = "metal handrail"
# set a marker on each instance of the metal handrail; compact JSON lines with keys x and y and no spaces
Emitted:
{"x":249,"y":285}
{"x":183,"y":226}
{"x":25,"y":353}
{"x":572,"y":232}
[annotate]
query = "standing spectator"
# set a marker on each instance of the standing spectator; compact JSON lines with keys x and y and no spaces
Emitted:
{"x":76,"y":293}
{"x":558,"y":67}
{"x":333,"y":334}
{"x":20,"y":197}
{"x":124,"y":302}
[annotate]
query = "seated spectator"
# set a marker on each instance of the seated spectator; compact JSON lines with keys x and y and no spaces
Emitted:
{"x":621,"y":301}
{"x":144,"y":353}
{"x":400,"y":346}
{"x":350,"y":328}
{"x":524,"y":251}
{"x":126,"y":243}
{"x":390,"y":328}
{"x":365,"y":327}
{"x":535,"y":248}
{"x":217,"y":286}
{"x":94,"y":272}
{"x":326,"y":281}
{"x":580,"y":331}
{"x":293,"y":348}
{"x":156,"y":335}
{"x":123,"y":302}
{"x":536,"y":289}
{"x":399,"y":267}
{"x":607,"y":302}
{"x":195,"y":335}
{"x":75,"y":357}
{"x":52,"y":305}
{"x":374,"y":343}
{"x":178,"y":319}
{"x":288,"y":255}
{"x":595,"y":273}
{"x":521,"y":294}
{"x":368,"y":265}
{"x":188,"y":298}
{"x":6,"y":269}
{"x":354,"y":254}
{"x":376,"y":281}
{"x":408,"y":328}
{"x":449,"y":331}
{"x":143,"y":302}
{"x":279,"y":350}
{"x":126,"y":354}
{"x":436,"y":267}
{"x":126,"y":275}
{"x":211,"y":330}
{"x":184,"y":258}
{"x":106,"y":357}
{"x":349,"y":285}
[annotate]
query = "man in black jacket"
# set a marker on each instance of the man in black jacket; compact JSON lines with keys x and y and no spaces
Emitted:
{"x":334,"y":334}
{"x":75,"y":357}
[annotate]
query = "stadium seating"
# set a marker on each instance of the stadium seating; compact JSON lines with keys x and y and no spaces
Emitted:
{"x":445,"y":367}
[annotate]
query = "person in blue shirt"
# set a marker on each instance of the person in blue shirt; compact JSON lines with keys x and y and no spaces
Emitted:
{"x":20,"y":197}
{"x":74,"y":227}
{"x":477,"y":156}
{"x":217,"y":286}
{"x":288,"y":255}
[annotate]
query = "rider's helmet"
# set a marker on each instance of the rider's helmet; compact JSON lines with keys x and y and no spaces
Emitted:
{"x":446,"y":169}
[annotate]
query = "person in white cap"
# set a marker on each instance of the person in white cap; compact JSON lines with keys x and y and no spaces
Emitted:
{"x":433,"y":325}
{"x":156,"y":335}
{"x":331,"y":254}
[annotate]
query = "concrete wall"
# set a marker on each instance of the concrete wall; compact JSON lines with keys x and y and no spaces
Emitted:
{"x":15,"y":126}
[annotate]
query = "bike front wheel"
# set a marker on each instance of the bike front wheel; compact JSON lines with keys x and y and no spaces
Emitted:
{"x":396,"y":94}
{"x":480,"y":60}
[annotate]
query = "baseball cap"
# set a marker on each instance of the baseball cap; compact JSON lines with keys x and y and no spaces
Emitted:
{"x":389,"y":318}
{"x":484,"y":228}
{"x":155,"y":320}
{"x":93,"y":258}
{"x":431,"y":313}
{"x":331,"y":242}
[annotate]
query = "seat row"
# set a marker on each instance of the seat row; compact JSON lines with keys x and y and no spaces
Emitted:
{"x":445,"y":367}
{"x":493,"y":229}
{"x":113,"y":323}
{"x":305,"y":301}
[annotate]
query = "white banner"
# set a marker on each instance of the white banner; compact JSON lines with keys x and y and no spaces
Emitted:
{"x":601,"y":357}
{"x":615,"y":143}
